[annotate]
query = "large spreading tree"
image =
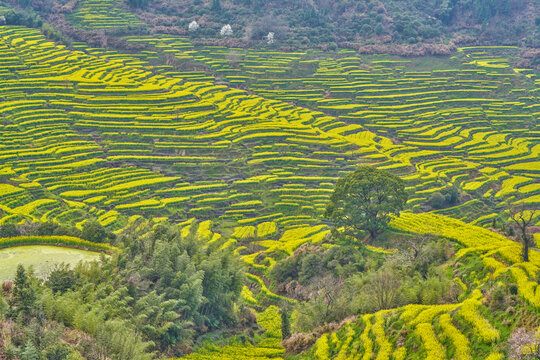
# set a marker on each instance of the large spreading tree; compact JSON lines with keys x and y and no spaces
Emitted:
{"x":364,"y":201}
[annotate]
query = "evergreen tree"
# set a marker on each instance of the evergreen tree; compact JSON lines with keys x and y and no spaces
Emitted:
{"x":62,"y":278}
{"x":30,"y":352}
{"x":285,"y":323}
{"x":24,"y":295}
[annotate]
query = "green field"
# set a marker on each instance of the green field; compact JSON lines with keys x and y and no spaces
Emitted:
{"x":41,"y":258}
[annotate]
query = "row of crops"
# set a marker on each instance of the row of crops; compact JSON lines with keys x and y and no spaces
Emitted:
{"x":460,"y":331}
{"x":74,"y":138}
{"x":103,"y":15}
{"x":427,"y":325}
{"x":465,"y":330}
{"x":471,"y":123}
{"x":95,"y":133}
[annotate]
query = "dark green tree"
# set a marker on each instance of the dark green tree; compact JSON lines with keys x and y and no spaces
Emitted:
{"x":62,"y":278}
{"x":364,"y":201}
{"x":451,"y":195}
{"x":184,"y":286}
{"x":30,"y":352}
{"x":311,"y":266}
{"x":56,"y":351}
{"x":46,"y":228}
{"x":24,"y":295}
{"x":9,"y":230}
{"x":285,"y":323}
{"x":93,"y":231}
{"x":21,"y":281}
{"x":437,"y":200}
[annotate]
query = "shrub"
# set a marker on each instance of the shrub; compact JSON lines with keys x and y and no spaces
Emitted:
{"x":62,"y":278}
{"x":436,"y":200}
{"x":57,"y":351}
{"x":311,"y":267}
{"x":7,"y":286}
{"x":93,"y":231}
{"x":9,"y":230}
{"x":51,"y":33}
{"x":298,"y":342}
{"x":497,"y":298}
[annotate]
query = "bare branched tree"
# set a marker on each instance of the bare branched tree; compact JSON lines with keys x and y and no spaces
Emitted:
{"x":416,"y":245}
{"x":329,"y":288}
{"x":523,"y":218}
{"x":385,"y":287}
{"x":413,"y":251}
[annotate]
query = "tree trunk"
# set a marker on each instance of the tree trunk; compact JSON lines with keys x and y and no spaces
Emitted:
{"x":525,"y":248}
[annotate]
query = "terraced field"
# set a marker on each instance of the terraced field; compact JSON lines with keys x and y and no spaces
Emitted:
{"x":103,"y":15}
{"x":238,"y":155}
{"x":75,"y":144}
{"x":469,"y":121}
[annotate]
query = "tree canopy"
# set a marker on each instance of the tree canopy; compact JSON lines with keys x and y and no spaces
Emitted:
{"x":364,"y":201}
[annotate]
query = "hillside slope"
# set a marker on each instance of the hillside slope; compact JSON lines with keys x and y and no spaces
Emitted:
{"x":240,"y":149}
{"x":295,"y":24}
